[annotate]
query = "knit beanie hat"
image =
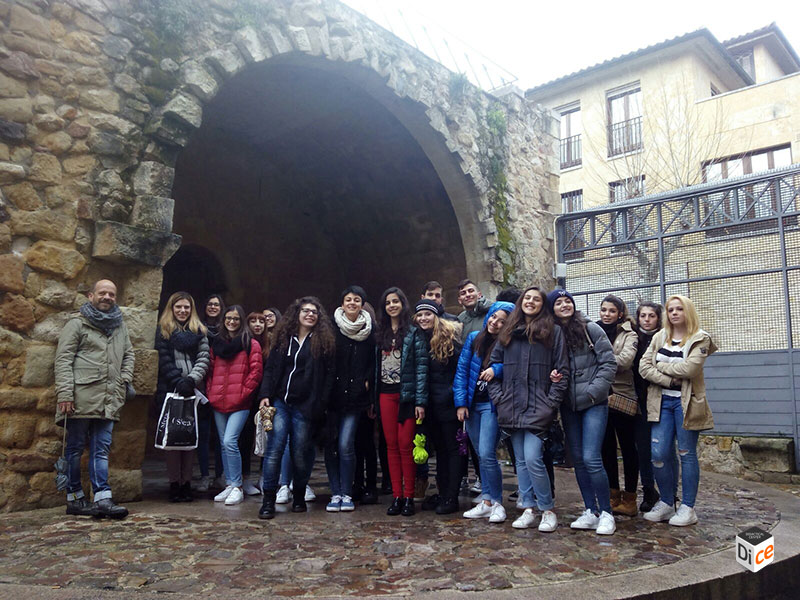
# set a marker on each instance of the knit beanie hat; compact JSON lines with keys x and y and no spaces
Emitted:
{"x":428,"y":304}
{"x":556,"y":294}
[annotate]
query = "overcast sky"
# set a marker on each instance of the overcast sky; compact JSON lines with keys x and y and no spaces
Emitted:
{"x":539,"y":41}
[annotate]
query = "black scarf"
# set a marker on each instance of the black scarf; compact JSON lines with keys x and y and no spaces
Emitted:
{"x":611,"y":330}
{"x":225,"y":348}
{"x":184,"y":340}
{"x":106,"y":322}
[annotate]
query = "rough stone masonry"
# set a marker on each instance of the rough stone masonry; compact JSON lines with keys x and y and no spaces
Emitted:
{"x":97,"y":98}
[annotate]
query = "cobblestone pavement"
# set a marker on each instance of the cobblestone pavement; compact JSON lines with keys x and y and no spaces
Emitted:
{"x":204,"y":547}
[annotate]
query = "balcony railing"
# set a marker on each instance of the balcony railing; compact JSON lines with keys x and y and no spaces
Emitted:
{"x":625,"y":136}
{"x":571,"y":151}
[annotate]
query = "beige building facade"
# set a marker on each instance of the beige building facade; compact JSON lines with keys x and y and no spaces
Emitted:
{"x":681,"y":112}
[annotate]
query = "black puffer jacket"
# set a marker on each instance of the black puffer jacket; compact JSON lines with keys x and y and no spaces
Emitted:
{"x":525,"y":397}
{"x":194,"y":346}
{"x":440,"y":385}
{"x":355,"y":365}
{"x":414,"y":369}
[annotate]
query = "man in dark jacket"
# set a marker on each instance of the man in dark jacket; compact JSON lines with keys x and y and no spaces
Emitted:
{"x":475,"y":307}
{"x":93,"y":368}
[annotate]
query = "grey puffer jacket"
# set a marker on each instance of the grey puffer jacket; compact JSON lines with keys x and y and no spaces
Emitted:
{"x":524,"y":396}
{"x":592,"y":369}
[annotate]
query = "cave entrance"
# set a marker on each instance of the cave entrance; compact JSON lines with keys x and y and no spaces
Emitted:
{"x":300,"y":182}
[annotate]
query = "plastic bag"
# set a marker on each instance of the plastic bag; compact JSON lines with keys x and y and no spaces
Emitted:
{"x":177,"y":424}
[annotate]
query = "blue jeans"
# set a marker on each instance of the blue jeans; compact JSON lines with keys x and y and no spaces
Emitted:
{"x":288,"y":423}
{"x":98,"y":434}
{"x":531,"y":472}
{"x":229,"y":426}
{"x":585,"y":431}
{"x":664,"y":434}
{"x":340,"y":461}
{"x":485,"y":434}
{"x":285,"y":477}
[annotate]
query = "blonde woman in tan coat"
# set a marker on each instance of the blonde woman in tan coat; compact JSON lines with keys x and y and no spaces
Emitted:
{"x":677,"y":406}
{"x":621,"y":427}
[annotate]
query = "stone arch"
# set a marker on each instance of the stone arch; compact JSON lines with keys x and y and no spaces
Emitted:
{"x":98,"y":104}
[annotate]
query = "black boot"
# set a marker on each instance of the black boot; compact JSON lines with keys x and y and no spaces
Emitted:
{"x":299,"y":503}
{"x":81,"y":507}
{"x":431,"y":502}
{"x":447,"y":506}
{"x":186,"y":492}
{"x":395,"y":508}
{"x":408,"y":507}
{"x":649,"y":499}
{"x":370,"y":496}
{"x":267,"y":510}
{"x":174,"y":491}
{"x":107,"y":508}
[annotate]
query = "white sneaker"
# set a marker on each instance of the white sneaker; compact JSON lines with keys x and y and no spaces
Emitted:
{"x":479,"y":511}
{"x":661,"y":512}
{"x":223,"y":495}
{"x":549,"y":521}
{"x":310,"y":495}
{"x":283,"y":495}
{"x":235,"y":497}
{"x":204,"y":483}
{"x":685,"y":516}
{"x":519,"y":502}
{"x":587,"y":520}
{"x":606,"y":524}
{"x":525,"y":520}
{"x":249,"y":489}
{"x":498,"y":513}
{"x":478,"y":499}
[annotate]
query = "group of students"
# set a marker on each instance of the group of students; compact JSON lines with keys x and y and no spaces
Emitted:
{"x":506,"y":369}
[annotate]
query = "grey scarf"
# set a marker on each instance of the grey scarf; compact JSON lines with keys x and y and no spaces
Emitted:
{"x":106,"y":322}
{"x":357,"y":330}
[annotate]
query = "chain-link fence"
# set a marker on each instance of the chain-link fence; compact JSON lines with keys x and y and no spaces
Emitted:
{"x":734,"y":249}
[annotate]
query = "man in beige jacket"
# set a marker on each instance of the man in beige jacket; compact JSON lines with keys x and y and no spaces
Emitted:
{"x":93,"y":369}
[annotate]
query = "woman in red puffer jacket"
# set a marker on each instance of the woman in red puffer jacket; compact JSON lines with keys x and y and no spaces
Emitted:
{"x":236,"y":370}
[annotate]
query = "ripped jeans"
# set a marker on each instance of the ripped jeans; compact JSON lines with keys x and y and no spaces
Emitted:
{"x":662,"y":445}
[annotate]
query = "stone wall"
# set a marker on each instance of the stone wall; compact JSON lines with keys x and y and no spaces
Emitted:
{"x":97,"y":99}
{"x":755,"y":458}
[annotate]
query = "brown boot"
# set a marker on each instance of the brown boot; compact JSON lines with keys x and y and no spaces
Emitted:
{"x":627,"y":506}
{"x":616,"y":498}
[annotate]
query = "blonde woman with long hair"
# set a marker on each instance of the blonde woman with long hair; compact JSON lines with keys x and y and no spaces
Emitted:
{"x":183,"y":360}
{"x":442,"y":424}
{"x":677,"y":406}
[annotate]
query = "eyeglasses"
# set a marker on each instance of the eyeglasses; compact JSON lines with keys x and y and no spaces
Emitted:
{"x":309,"y":311}
{"x":214,"y":304}
{"x":232,"y":319}
{"x":270,"y":317}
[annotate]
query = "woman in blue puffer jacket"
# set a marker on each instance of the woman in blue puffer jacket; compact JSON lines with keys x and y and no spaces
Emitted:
{"x":470,"y":392}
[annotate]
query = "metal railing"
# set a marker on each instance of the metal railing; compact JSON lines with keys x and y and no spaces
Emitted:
{"x":571,"y":151}
{"x":625,"y":136}
{"x":724,"y":245}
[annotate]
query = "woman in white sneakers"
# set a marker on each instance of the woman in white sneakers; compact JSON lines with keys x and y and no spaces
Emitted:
{"x":585,"y":410}
{"x":677,"y":406}
{"x":529,"y":348}
{"x":473,"y":405}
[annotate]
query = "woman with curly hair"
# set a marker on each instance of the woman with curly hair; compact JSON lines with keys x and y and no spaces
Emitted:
{"x":444,"y":348}
{"x":183,"y":360}
{"x":298,"y":380}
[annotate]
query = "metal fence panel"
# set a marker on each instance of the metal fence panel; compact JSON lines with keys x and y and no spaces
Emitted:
{"x":734,"y":248}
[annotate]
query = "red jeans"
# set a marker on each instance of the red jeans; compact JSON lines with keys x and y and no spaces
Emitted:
{"x":399,"y":444}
